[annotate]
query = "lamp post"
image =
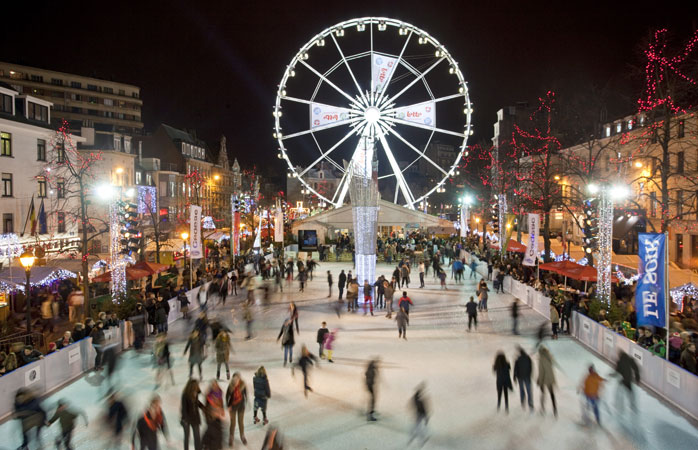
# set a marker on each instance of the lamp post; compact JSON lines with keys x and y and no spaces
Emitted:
{"x":607,"y":194}
{"x":185,"y":236}
{"x":27,"y":261}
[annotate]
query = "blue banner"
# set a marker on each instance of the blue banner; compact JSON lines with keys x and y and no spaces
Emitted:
{"x":650,"y":296}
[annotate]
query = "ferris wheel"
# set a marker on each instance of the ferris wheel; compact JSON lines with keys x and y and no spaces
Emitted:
{"x":380,"y":82}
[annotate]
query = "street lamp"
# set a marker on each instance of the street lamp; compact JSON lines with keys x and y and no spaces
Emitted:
{"x":27,"y":261}
{"x":185,"y":236}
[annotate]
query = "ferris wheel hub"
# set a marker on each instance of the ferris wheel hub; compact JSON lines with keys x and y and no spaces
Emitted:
{"x":372,"y":114}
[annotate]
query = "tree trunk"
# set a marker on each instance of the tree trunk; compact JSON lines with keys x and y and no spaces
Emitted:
{"x":84,"y":248}
{"x":546,"y":237}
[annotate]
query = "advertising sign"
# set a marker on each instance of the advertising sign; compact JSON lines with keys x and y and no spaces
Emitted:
{"x":195,"y":248}
{"x":650,"y":295}
{"x":322,"y":115}
{"x":532,"y":247}
{"x":424,"y":113}
{"x":279,"y":225}
{"x":147,"y":199}
{"x":381,"y":71}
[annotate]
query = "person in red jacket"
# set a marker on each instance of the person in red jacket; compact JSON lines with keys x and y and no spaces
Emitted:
{"x":404,"y":303}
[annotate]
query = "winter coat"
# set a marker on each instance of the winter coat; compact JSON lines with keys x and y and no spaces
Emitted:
{"x":160,"y":314}
{"x":286,"y":334}
{"x":627,"y":368}
{"x":401,"y":319}
{"x":388,"y":292}
{"x":342,"y":280}
{"x":405,"y":303}
{"x":196,"y":350}
{"x":223,"y":346}
{"x":592,"y":385}
{"x":230,"y":398}
{"x":97,"y":336}
{"x":482,"y":291}
{"x":261,"y":387}
{"x":546,"y":375}
{"x":78,"y":334}
{"x":321,"y":335}
{"x":503,"y":378}
{"x":523,"y":367}
{"x":190,"y":410}
{"x":329,"y":340}
{"x":471,"y":308}
{"x":554,"y":315}
{"x":688,"y":360}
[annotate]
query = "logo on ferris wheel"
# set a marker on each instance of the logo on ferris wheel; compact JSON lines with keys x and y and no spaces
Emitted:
{"x":379,"y":61}
{"x":317,"y":111}
{"x":427,"y":121}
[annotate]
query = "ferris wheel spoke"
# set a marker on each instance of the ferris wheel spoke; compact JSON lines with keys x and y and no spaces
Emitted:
{"x":402,"y":183}
{"x":390,"y":74}
{"x":341,"y":193}
{"x":324,"y":155}
{"x":351,"y":72}
{"x":424,"y":127}
{"x":352,"y":101}
{"x":419,"y":152}
{"x":416,"y":80}
{"x":323,"y":127}
{"x":426,"y":102}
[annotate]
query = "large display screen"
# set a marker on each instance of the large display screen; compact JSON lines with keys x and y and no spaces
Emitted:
{"x":307,"y":240}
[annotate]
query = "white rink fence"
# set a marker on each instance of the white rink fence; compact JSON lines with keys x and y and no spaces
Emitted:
{"x":67,"y":364}
{"x":668,"y":380}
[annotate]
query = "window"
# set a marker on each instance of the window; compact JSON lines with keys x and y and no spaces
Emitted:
{"x":138,"y":176}
{"x":6,"y":103}
{"x":76,"y":97}
{"x":38,"y":112}
{"x":40,"y":150}
{"x":8,"y":223}
{"x":92,"y":112}
{"x":56,"y":82}
{"x":60,"y":188}
{"x":91,"y":87}
{"x":608,"y":131}
{"x":42,"y":188}
{"x":679,"y":162}
{"x":619,"y":127}
{"x":108,"y":90}
{"x":148,"y":179}
{"x":60,"y":152}
{"x":108,"y":102}
{"x":172,"y":191}
{"x":682,"y":129}
{"x":122,"y":92}
{"x":61,"y":222}
{"x":37,"y":78}
{"x":92,"y":99}
{"x":5,"y":144}
{"x":7,"y":185}
{"x":76,"y":84}
{"x":630,"y":124}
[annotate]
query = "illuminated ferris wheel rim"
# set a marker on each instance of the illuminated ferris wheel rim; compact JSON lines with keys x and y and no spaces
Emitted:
{"x":372,"y":110}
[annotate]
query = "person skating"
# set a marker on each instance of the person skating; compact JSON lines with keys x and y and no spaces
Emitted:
{"x":248,"y":316}
{"x":380,"y":292}
{"x":371,"y":386}
{"x":163,"y":360}
{"x":515,"y":317}
{"x":546,"y":377}
{"x":405,"y":303}
{"x":627,"y":369}
{"x":591,"y":386}
{"x":368,"y":296}
{"x":287,"y":340}
{"x":405,"y":276}
{"x":148,"y":425}
{"x":302,"y":278}
{"x":482,"y":291}
{"x":419,"y":404}
{"x":215,"y":415}
{"x":388,"y":292}
{"x":554,"y":320}
{"x":501,"y":367}
{"x":321,"y":332}
{"x":523,"y":368}
{"x":262,"y":392}
{"x":117,"y":419}
{"x":329,"y":343}
{"x":471,"y":308}
{"x":236,"y":399}
{"x":402,"y":321}
{"x":341,"y":282}
{"x":421,"y":274}
{"x":223,"y":347}
{"x":190,"y":415}
{"x":195,"y":347}
{"x":98,"y":340}
{"x":330,"y":282}
{"x":305,"y":363}
{"x":29,"y":412}
{"x":293,"y":315}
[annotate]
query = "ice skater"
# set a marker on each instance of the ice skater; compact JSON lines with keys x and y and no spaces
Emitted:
{"x":329,"y":283}
{"x":546,"y":377}
{"x":148,"y":425}
{"x":236,"y":399}
{"x":191,"y":418}
{"x":262,"y":393}
{"x":329,"y":343}
{"x":515,"y":317}
{"x":195,"y":347}
{"x":523,"y":367}
{"x":321,"y":332}
{"x":368,"y":296}
{"x":471,"y":309}
{"x":223,"y":348}
{"x":287,"y":340}
{"x":305,"y":363}
{"x":501,"y":367}
{"x":402,"y":320}
{"x":371,"y":387}
{"x":627,"y":370}
{"x":419,"y":404}
{"x":591,"y":386}
{"x":163,"y":360}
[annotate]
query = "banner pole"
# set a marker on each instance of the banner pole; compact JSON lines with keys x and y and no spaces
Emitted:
{"x":667,"y":295}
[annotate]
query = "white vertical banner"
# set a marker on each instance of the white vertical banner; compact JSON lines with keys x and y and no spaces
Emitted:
{"x":278,"y":224}
{"x":464,"y":213}
{"x":258,"y":238}
{"x":195,"y":248}
{"x":532,"y":247}
{"x":381,"y":70}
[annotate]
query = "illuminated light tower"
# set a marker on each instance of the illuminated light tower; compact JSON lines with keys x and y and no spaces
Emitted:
{"x":465,"y":204}
{"x":607,"y":195}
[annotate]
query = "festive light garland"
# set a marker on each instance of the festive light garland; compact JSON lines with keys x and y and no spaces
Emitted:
{"x":9,"y":245}
{"x":677,"y":294}
{"x":623,"y":279}
{"x":118,"y":265}
{"x":605,"y":242}
{"x":57,"y":275}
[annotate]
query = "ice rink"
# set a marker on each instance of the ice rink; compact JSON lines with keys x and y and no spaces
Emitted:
{"x":455,"y":365}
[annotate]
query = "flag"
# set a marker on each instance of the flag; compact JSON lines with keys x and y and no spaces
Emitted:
{"x":258,"y":238}
{"x":532,"y":248}
{"x":650,"y":295}
{"x":43,"y":226}
{"x":278,"y":223}
{"x":195,"y":250}
{"x":32,"y":217}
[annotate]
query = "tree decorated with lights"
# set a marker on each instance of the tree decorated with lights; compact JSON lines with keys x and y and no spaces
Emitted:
{"x":69,"y":172}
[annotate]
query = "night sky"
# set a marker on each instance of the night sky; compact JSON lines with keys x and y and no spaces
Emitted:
{"x":214,"y":66}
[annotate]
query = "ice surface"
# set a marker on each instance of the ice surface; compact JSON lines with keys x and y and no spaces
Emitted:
{"x":456,"y":366}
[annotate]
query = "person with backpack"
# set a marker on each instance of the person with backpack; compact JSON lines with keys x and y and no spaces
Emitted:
{"x":404,"y":303}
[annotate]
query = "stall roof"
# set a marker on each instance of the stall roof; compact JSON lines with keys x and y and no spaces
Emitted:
{"x":15,"y":276}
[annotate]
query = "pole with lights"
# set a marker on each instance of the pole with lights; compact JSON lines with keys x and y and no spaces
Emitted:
{"x":607,"y":195}
{"x":185,"y":236}
{"x":27,"y":260}
{"x":465,"y":202}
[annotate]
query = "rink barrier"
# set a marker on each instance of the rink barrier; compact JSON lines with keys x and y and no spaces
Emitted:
{"x":669,"y":381}
{"x":63,"y":366}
